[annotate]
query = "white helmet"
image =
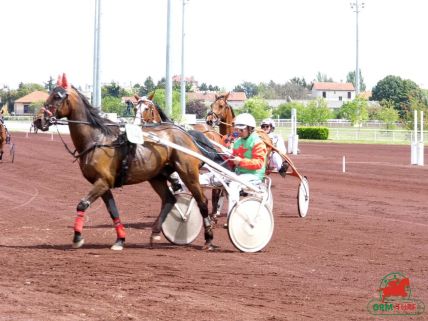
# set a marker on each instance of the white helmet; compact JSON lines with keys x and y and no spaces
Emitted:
{"x":244,"y":120}
{"x":268,"y":121}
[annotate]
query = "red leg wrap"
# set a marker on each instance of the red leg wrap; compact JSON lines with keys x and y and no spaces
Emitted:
{"x":78,"y":222}
{"x":120,"y":229}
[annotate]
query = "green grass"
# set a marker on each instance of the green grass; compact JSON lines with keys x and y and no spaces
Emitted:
{"x":361,"y":135}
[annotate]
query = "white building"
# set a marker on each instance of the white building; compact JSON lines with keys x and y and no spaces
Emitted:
{"x":334,"y":93}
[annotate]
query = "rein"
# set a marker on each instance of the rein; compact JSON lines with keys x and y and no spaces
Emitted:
{"x":74,"y":153}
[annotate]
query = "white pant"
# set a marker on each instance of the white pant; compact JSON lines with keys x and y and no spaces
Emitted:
{"x":235,"y":189}
{"x":275,"y":161}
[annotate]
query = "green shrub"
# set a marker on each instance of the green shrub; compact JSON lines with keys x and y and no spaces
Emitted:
{"x":320,"y":133}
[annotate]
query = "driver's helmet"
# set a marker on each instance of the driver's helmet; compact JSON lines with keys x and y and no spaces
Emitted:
{"x":244,"y":120}
{"x":270,"y":122}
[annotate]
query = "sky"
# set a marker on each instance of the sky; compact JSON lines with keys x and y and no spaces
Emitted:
{"x":227,"y":42}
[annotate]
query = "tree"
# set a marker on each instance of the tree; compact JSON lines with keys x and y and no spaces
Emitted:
{"x":161,"y":83}
{"x":250,"y":89}
{"x":399,"y":91}
{"x":36,"y":106}
{"x":290,"y":89}
{"x":323,"y":77}
{"x":113,"y":90}
{"x":25,"y":89}
{"x":159,"y":99}
{"x":203,"y":87}
{"x":388,"y":114}
{"x":283,"y":111}
{"x":257,"y":107}
{"x":197,"y":107}
{"x":299,"y":82}
{"x":315,"y":112}
{"x":50,"y":85}
{"x":350,"y":77}
{"x":355,"y":111}
{"x":112,"y":104}
{"x":147,"y":87}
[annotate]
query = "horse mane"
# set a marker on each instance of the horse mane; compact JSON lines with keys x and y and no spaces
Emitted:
{"x":231,"y":109}
{"x":95,"y":119}
{"x":162,"y":114}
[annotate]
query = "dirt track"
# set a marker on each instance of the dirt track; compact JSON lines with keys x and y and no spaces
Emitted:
{"x":362,"y":225}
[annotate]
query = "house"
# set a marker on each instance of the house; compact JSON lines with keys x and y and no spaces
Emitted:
{"x":235,"y":100}
{"x":335,"y":93}
{"x":176,"y":79}
{"x":22,"y":105}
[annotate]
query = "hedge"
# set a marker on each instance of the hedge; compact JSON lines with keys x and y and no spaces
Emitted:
{"x":320,"y":133}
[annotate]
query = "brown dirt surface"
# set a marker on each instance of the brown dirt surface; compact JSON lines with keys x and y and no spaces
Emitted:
{"x":362,"y":225}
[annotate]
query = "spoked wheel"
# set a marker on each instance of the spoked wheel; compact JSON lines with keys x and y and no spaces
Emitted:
{"x":250,"y":225}
{"x":184,"y":222}
{"x":303,"y":197}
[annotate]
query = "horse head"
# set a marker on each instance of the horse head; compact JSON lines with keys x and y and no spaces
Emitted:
{"x":149,"y":113}
{"x":223,"y":113}
{"x":56,"y":105}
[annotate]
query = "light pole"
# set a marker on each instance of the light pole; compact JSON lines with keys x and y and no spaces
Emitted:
{"x":168,"y":80}
{"x":183,"y":81}
{"x":355,"y":5}
{"x":96,"y":81}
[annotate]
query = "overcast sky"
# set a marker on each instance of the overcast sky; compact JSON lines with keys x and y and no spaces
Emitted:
{"x":227,"y":41}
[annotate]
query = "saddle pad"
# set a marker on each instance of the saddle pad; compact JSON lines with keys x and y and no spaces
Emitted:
{"x":134,"y":134}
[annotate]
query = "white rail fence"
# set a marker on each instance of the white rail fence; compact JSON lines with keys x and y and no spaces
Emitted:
{"x":372,"y":135}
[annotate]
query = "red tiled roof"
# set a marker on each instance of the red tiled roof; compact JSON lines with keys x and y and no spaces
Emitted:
{"x":210,"y":96}
{"x":345,"y":86}
{"x":33,"y":97}
{"x":131,"y":98}
{"x":365,"y":94}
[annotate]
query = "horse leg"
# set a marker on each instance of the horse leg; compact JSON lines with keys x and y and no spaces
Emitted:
{"x":194,"y":187}
{"x":99,"y":188}
{"x":114,"y":214}
{"x":215,"y":198}
{"x":159,"y":184}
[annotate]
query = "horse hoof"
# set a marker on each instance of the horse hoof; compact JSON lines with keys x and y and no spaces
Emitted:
{"x":78,"y":244}
{"x":209,"y":247}
{"x":118,"y":245}
{"x":154,"y":238}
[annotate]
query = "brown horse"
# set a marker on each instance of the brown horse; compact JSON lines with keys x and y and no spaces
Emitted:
{"x":108,"y":160}
{"x":151,"y":113}
{"x":224,"y":114}
{"x":40,"y":119}
{"x":3,"y":137}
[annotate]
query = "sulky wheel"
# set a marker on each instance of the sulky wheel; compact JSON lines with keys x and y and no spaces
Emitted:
{"x":184,"y":222}
{"x":250,"y":225}
{"x":303,"y":197}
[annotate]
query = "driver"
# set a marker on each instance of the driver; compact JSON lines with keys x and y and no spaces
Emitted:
{"x":249,"y":156}
{"x":275,"y":161}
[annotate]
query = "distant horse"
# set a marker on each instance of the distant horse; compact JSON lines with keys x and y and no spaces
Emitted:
{"x":152,"y":113}
{"x":224,"y":114}
{"x":108,"y":160}
{"x":3,"y":137}
{"x":40,"y":120}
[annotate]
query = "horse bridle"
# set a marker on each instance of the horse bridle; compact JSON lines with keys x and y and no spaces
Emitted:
{"x":149,"y":108}
{"x":61,"y":95}
{"x":217,"y":117}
